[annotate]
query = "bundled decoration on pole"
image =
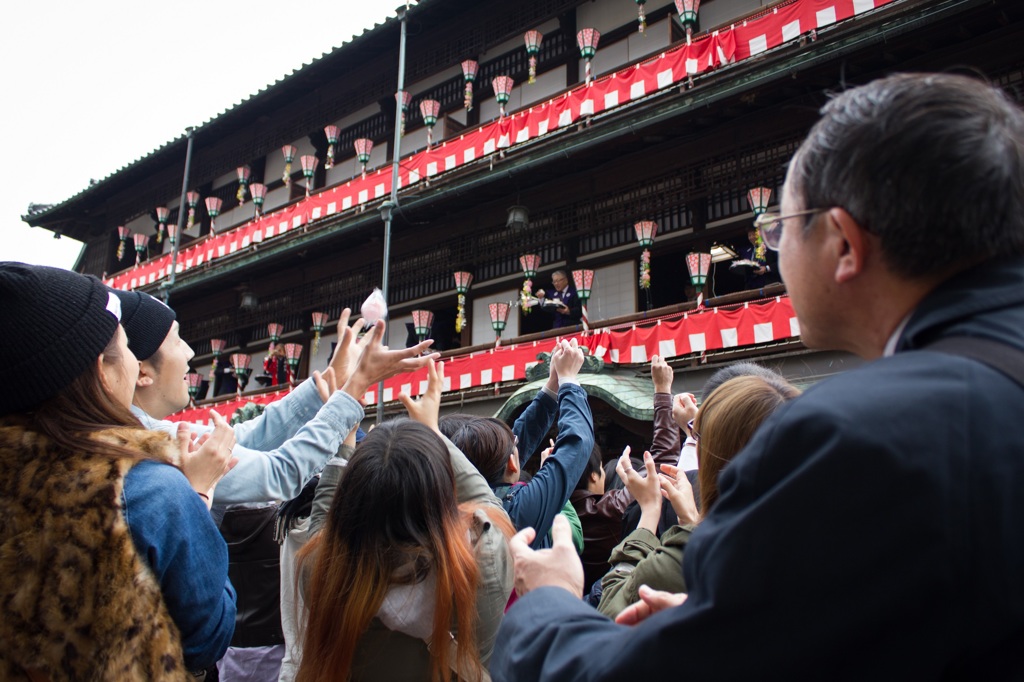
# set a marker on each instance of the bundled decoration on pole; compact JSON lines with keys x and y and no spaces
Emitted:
{"x":259,"y":194}
{"x":195,"y":381}
{"x":530,"y":263}
{"x":141,"y":245}
{"x":292,"y":354}
{"x":309,"y":164}
{"x":587,"y":40}
{"x":217,"y":347}
{"x":584,"y":281}
{"x":240,"y":363}
{"x":641,"y":17}
{"x":463,"y":280}
{"x":422,"y":322}
{"x":319,"y":322}
{"x":499,"y":318}
{"x":363,"y":147}
{"x":123,"y":235}
{"x":533,"y":40}
{"x":502,"y":91}
{"x":758,"y":199}
{"x":469,"y":68}
{"x":213,"y":205}
{"x":289,"y":152}
{"x":404,"y":98}
{"x":193,"y":201}
{"x":162,"y":214}
{"x":244,"y":173}
{"x":430,"y":108}
{"x":332,"y":133}
{"x":688,"y":15}
{"x":645,"y":233}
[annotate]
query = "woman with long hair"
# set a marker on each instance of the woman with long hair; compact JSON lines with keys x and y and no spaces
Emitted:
{"x":725,"y":423}
{"x":408,"y":578}
{"x":110,"y":565}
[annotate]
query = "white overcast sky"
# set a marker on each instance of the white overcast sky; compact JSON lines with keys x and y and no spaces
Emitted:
{"x":92,"y":86}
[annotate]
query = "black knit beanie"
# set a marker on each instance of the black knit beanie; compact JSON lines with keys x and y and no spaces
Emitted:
{"x":53,"y":324}
{"x":146,"y":320}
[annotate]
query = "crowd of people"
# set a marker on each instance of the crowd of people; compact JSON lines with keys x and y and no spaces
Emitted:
{"x":865,"y":529}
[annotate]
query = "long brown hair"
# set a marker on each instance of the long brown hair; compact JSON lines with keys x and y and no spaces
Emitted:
{"x":726,"y":422}
{"x":83,"y":408}
{"x":394,"y":508}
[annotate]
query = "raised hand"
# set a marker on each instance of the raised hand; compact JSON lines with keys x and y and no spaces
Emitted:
{"x":346,"y":353}
{"x":205,"y":462}
{"x":426,"y":409}
{"x":651,"y":601}
{"x":661,"y":374}
{"x":646,"y":490}
{"x":377,"y":362}
{"x":676,"y":487}
{"x":684,"y":410}
{"x":556,"y":567}
{"x":567,"y":359}
{"x":325,"y":383}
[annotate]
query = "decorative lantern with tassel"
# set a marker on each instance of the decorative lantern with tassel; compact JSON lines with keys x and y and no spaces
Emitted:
{"x":193,"y":201}
{"x":430,"y":108}
{"x":641,"y":17}
{"x":332,"y":133}
{"x":533,"y":40}
{"x":404,"y":98}
{"x":289,"y":152}
{"x":241,"y":364}
{"x":698,"y":264}
{"x":645,"y":233}
{"x":587,"y":40}
{"x":217,"y":347}
{"x":309,"y":164}
{"x":363,"y":147}
{"x":499,"y":318}
{"x":162,"y":214}
{"x":244,"y":173}
{"x":195,"y":381}
{"x":259,"y":195}
{"x":688,"y":15}
{"x":213,"y":205}
{"x":274,"y":331}
{"x":422,"y":322}
{"x":469,"y":68}
{"x":292,"y":354}
{"x":502,"y":91}
{"x":319,"y":322}
{"x":123,"y":235}
{"x":584,"y":281}
{"x":463,"y":280}
{"x":758,"y":199}
{"x":172,"y":234}
{"x":530,"y":263}
{"x":141,"y":245}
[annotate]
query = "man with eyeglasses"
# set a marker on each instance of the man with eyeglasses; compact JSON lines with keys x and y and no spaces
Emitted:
{"x":872,"y":528}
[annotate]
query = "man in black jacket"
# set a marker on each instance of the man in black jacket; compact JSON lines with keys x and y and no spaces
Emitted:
{"x":872,"y":528}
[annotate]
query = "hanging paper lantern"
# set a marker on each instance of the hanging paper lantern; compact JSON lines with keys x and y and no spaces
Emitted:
{"x":319,"y":322}
{"x":172,"y":234}
{"x":213,"y":205}
{"x":502,"y":91}
{"x":587,"y":40}
{"x":430,"y":108}
{"x":363,"y":147}
{"x":259,"y":195}
{"x":217,"y":347}
{"x":698,"y":264}
{"x":584,"y":280}
{"x":244,"y":172}
{"x":533,"y":40}
{"x":688,"y":15}
{"x":422,"y":322}
{"x":646,"y":230}
{"x":292,"y":354}
{"x":193,"y":201}
{"x":240,"y":363}
{"x":289,"y":152}
{"x":332,"y":133}
{"x":758,"y":199}
{"x":530,"y":263}
{"x":499,"y":317}
{"x":469,"y":68}
{"x":462,"y":282}
{"x":274,"y":331}
{"x":162,"y":214}
{"x":123,"y":235}
{"x":404,"y":99}
{"x":141,"y":245}
{"x":641,"y":18}
{"x":309,"y":164}
{"x":195,"y":381}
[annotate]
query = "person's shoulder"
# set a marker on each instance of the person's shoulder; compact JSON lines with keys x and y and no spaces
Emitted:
{"x":155,"y":482}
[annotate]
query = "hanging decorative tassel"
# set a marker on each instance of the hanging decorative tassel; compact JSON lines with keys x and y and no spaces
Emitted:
{"x":289,"y":152}
{"x":332,"y":133}
{"x":641,"y":17}
{"x":243,"y":181}
{"x":193,"y":200}
{"x":123,"y":235}
{"x":469,"y":68}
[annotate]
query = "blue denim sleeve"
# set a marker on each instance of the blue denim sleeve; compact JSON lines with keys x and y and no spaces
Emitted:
{"x":174,"y":534}
{"x":281,"y":419}
{"x":534,"y":423}
{"x":543,"y":497}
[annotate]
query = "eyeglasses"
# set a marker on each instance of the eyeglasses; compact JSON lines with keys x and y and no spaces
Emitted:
{"x":693,"y":432}
{"x":770,"y":225}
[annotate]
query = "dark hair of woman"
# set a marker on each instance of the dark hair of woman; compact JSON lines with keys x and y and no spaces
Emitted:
{"x":727,"y":421}
{"x":394,"y":519}
{"x":487,"y":443}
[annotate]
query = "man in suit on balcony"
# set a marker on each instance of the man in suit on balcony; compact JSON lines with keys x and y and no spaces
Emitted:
{"x":568,"y":310}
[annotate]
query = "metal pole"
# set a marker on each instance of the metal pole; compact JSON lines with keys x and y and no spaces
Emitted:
{"x":165,"y":288}
{"x":388,"y":207}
